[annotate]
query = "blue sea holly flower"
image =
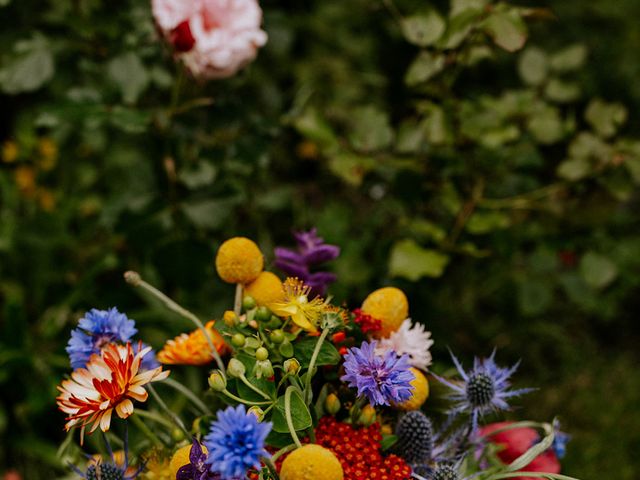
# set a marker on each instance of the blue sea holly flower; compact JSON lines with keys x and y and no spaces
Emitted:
{"x":236,"y":443}
{"x":484,"y":389}
{"x":382,"y":379}
{"x":95,"y":330}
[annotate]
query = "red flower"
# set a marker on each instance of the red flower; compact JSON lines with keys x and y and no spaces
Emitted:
{"x":516,"y":442}
{"x":181,"y":37}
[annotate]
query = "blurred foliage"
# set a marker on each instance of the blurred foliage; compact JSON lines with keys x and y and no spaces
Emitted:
{"x":487,"y":149}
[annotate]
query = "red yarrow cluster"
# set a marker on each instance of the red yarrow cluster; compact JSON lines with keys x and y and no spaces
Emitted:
{"x":366,"y":322}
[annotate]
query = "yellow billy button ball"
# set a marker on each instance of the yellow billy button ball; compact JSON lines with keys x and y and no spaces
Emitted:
{"x":239,"y":260}
{"x":420,"y":393}
{"x":181,"y":458}
{"x":311,"y":462}
{"x":265,"y":289}
{"x":390,"y":306}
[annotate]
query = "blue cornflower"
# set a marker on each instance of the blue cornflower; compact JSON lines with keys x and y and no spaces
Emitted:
{"x":236,"y":442}
{"x":560,"y":440}
{"x":311,"y":252}
{"x":197,"y":469}
{"x":485,"y":388}
{"x":149,"y":361}
{"x":382,"y":379}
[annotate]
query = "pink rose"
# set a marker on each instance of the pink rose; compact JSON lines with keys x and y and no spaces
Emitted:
{"x":516,"y":442}
{"x":214,"y":38}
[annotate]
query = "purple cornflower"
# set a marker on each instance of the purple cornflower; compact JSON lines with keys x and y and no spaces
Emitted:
{"x":96,"y":329}
{"x":382,"y":379}
{"x":311,"y":252}
{"x":197,"y":469}
{"x":485,"y":388}
{"x":236,"y":443}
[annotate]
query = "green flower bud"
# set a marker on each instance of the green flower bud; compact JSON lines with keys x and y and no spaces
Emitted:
{"x":274,"y":322}
{"x":332,"y":404}
{"x":238,"y":340}
{"x":248,"y":303}
{"x":291,"y":366}
{"x":263,"y":314}
{"x":277,"y":336}
{"x":236,"y":368}
{"x":262,"y":353}
{"x":367,"y":416}
{"x":217,"y":381}
{"x":177,"y":434}
{"x":263,"y":368}
{"x":257,"y":411}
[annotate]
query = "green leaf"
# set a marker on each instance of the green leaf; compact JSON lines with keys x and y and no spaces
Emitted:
{"x":425,"y":66}
{"x":574,"y":169}
{"x":263,"y":384}
{"x":570,"y":58}
{"x":507,"y":29}
{"x":311,"y":125}
{"x":597,"y":270}
{"x":209,"y":214}
{"x":482,"y":223}
{"x":605,"y":118}
{"x":459,"y":6}
{"x":299,"y":413}
{"x":351,"y":168}
{"x":130,"y":75}
{"x":423,"y":29}
{"x":129,"y":120}
{"x":460,"y":26}
{"x":370,"y":129}
{"x":561,"y":91}
{"x":328,"y":354}
{"x":387,"y":442}
{"x":546,"y":125}
{"x":201,"y":175}
{"x":435,"y":125}
{"x":411,"y":261}
{"x":533,"y":66}
{"x":30,"y":68}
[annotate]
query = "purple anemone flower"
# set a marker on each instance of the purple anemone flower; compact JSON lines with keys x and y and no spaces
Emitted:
{"x":196,"y":469}
{"x":311,"y":252}
{"x":382,"y":379}
{"x":485,"y":389}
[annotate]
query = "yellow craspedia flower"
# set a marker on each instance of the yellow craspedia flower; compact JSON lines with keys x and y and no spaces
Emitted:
{"x":420,"y":392}
{"x":265,"y":289}
{"x":390,"y":306}
{"x":9,"y":151}
{"x":239,"y":260}
{"x":181,"y":458}
{"x":311,"y":462}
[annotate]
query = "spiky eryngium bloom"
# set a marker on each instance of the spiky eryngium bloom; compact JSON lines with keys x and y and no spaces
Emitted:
{"x":415,"y":437}
{"x":484,"y":389}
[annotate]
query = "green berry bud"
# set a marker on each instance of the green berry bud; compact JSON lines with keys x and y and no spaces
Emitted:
{"x":217,"y":381}
{"x":238,"y":340}
{"x":291,"y":366}
{"x":248,"y":303}
{"x":236,"y":368}
{"x":367,"y":416}
{"x":332,"y":404}
{"x":257,"y":411}
{"x":277,"y":336}
{"x":263,"y":314}
{"x":274,"y":322}
{"x":177,"y":434}
{"x":262,"y":353}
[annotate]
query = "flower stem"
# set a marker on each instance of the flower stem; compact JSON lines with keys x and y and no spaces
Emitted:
{"x":308,"y":394}
{"x":287,"y":414}
{"x":155,"y":417}
{"x":357,"y":407}
{"x":241,"y":400}
{"x":134,"y":279}
{"x":272,"y":468}
{"x":282,"y":451}
{"x":135,"y":418}
{"x":168,"y":411}
{"x":237,"y":304}
{"x":189,"y":394}
{"x":254,"y":388}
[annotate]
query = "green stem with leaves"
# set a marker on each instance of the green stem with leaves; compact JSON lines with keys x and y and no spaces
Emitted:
{"x":176,"y":420}
{"x":308,"y":394}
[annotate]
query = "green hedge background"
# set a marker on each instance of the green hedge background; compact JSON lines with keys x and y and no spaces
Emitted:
{"x":483,"y":157}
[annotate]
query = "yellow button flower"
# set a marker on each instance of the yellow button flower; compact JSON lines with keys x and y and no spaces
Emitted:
{"x":311,"y":462}
{"x":390,"y":306}
{"x":265,"y":289}
{"x":239,"y":260}
{"x":420,"y":392}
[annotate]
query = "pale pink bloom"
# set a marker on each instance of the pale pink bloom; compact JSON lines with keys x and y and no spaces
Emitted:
{"x":412,"y":340}
{"x":214,"y":38}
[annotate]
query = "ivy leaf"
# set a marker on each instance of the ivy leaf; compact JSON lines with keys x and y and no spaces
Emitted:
{"x":31,"y":67}
{"x":370,"y":129}
{"x":507,"y":29}
{"x":425,"y":66}
{"x":424,"y":29}
{"x":597,"y":270}
{"x":411,"y":261}
{"x":300,"y":414}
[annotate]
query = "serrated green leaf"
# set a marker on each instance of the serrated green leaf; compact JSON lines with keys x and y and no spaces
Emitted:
{"x":411,"y":261}
{"x":423,"y":29}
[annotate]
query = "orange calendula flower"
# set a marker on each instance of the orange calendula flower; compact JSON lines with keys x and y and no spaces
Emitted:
{"x":305,"y":313}
{"x":111,"y":381}
{"x":192,"y":348}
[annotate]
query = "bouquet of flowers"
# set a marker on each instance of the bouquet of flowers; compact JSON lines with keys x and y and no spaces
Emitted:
{"x":298,"y":389}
